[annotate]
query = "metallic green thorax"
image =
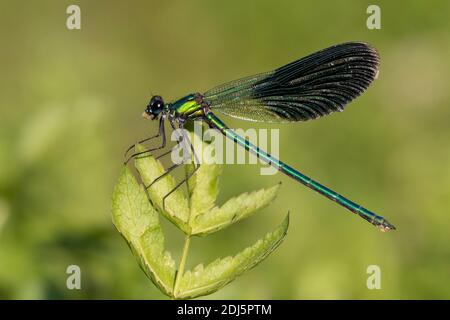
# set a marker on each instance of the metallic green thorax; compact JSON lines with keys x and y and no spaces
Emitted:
{"x":188,"y":107}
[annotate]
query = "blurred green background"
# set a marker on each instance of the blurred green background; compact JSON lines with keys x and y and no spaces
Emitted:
{"x":71,"y":103}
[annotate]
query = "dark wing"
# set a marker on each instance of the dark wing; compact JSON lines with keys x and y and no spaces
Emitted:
{"x":313,"y":86}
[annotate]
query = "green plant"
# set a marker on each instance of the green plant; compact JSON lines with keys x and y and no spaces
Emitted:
{"x":137,"y":220}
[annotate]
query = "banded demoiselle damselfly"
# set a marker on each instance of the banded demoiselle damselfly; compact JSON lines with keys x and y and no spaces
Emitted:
{"x":306,"y":89}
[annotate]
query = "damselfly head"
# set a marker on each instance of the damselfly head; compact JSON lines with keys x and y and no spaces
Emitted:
{"x":154,"y":108}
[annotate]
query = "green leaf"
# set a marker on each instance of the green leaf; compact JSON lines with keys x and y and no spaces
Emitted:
{"x":138,"y":223}
{"x":137,"y":219}
{"x":233,"y":210}
{"x":205,"y":280}
{"x":176,"y":205}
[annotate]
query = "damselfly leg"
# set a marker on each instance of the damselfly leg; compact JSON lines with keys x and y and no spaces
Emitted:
{"x":190,"y":174}
{"x":161,"y":132}
{"x":188,"y":153}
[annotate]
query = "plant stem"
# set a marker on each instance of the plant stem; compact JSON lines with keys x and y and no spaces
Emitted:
{"x":187,"y":241}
